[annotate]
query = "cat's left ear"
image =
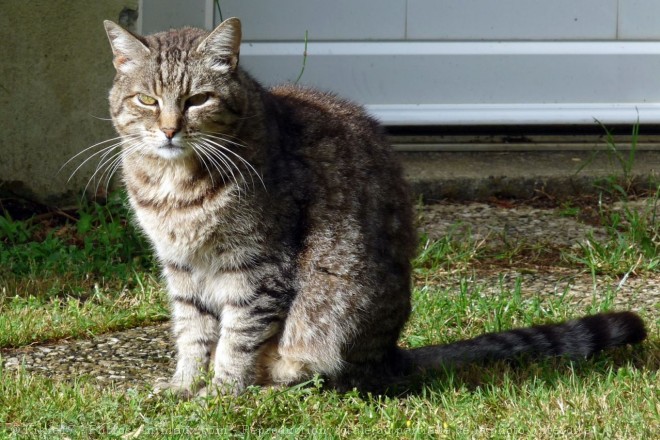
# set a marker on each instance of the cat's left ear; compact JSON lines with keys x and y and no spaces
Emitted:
{"x":127,"y":49}
{"x":223,"y":45}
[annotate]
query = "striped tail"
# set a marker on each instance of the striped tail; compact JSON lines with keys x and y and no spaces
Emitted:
{"x":574,"y":339}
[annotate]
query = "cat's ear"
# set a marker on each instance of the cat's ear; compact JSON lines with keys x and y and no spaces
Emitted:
{"x":223,"y":45}
{"x":126,"y":47}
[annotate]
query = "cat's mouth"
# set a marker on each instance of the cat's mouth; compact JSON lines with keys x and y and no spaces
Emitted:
{"x":171,"y":151}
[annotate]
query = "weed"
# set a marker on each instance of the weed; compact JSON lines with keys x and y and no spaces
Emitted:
{"x":567,"y":209}
{"x":219,"y":8}
{"x":632,"y":244}
{"x":620,"y":185}
{"x":454,"y":251}
{"x":304,"y":60}
{"x":623,"y":184}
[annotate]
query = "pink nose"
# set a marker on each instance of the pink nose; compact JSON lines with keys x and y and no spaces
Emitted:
{"x":169,"y":132}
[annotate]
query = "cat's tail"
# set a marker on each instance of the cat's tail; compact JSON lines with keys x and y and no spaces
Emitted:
{"x":574,"y":339}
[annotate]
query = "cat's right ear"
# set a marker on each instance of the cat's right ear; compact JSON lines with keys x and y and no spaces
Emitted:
{"x":126,"y":47}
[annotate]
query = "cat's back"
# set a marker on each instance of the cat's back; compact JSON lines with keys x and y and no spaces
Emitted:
{"x":316,"y":116}
{"x":354,"y":181}
{"x":319,"y":103}
{"x":339,"y":140}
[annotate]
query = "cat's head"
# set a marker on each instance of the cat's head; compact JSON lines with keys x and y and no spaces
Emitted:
{"x":176,"y":93}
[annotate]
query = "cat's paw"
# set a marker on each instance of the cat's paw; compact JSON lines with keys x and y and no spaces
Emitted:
{"x":184,"y":391}
{"x":221,"y":388}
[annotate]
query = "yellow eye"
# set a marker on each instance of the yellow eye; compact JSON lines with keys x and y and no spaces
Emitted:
{"x":146,"y":99}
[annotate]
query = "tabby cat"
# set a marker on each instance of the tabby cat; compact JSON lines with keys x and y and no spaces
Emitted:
{"x":283,"y":225}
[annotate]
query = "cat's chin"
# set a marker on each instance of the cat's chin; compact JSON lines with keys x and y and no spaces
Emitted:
{"x":172,"y":152}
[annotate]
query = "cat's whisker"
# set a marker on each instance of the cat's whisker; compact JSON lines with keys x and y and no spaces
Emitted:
{"x":111,"y":160}
{"x":105,"y":155}
{"x":252,"y":170}
{"x":99,"y":118}
{"x":202,"y":159}
{"x":212,"y":136}
{"x":108,"y":171}
{"x":102,"y":152}
{"x":224,"y":139}
{"x":120,"y":139}
{"x":201,"y":150}
{"x":102,"y":165}
{"x":111,"y":166}
{"x":222,"y":163}
{"x":223,"y":136}
{"x":112,"y":170}
{"x":230,"y":164}
{"x":117,"y":163}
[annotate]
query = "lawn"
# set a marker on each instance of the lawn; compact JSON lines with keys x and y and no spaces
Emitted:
{"x":74,"y":274}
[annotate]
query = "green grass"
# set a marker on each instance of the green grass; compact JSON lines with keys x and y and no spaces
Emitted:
{"x":104,"y":279}
{"x":632,"y":245}
{"x":38,"y":318}
{"x":64,"y":275}
{"x":454,"y":252}
{"x":615,"y":395}
{"x":97,"y":242}
{"x":543,"y":402}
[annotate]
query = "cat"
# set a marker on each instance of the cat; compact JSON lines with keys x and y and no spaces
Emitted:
{"x":284,"y":226}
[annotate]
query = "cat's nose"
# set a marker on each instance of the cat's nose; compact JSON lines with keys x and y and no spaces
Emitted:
{"x":169,"y":132}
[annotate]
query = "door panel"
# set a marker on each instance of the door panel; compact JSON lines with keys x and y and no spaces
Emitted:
{"x":454,"y":61}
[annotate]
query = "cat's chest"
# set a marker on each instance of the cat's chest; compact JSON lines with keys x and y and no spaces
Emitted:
{"x":178,"y":235}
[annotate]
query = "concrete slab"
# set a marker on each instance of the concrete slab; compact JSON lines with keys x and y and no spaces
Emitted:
{"x":523,"y":174}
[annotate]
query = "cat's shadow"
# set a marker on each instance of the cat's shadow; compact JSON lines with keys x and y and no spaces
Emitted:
{"x":548,"y":372}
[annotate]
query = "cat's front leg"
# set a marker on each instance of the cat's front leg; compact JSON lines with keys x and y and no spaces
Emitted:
{"x":245,"y":331}
{"x":196,"y":328}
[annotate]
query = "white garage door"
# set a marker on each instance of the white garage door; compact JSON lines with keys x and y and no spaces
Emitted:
{"x":453,"y":62}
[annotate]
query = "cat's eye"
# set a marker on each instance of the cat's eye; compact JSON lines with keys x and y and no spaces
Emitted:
{"x":146,"y":99}
{"x":197,"y":99}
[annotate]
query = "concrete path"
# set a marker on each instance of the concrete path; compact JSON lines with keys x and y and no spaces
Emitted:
{"x":481,"y":175}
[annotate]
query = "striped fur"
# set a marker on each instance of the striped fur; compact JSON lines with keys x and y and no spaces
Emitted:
{"x":574,"y":339}
{"x":283,"y":225}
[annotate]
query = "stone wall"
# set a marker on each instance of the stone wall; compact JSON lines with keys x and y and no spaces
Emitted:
{"x":55,"y":73}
